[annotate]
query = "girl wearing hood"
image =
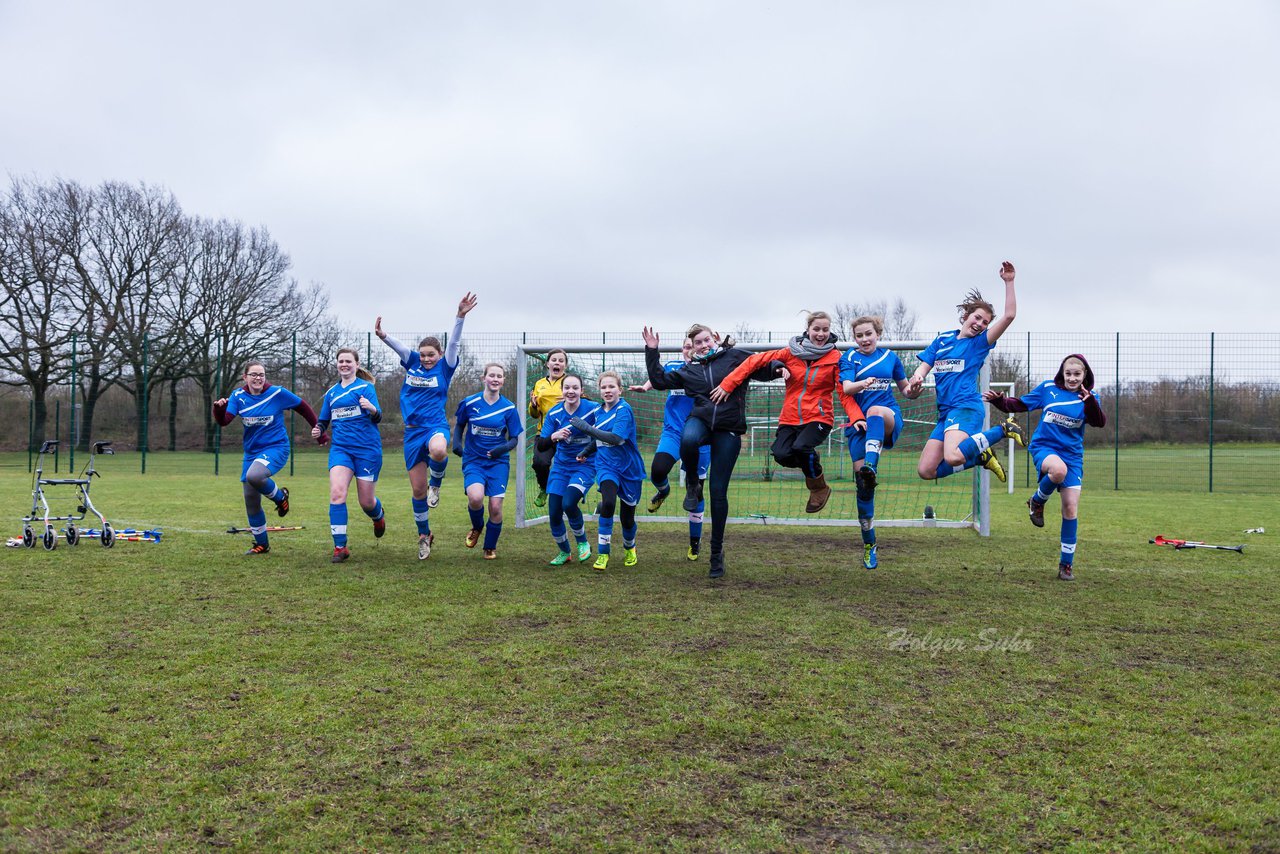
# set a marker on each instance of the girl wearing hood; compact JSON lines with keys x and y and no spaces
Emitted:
{"x":958,"y":442}
{"x":719,"y":425}
{"x":1057,"y":446}
{"x":812,"y":365}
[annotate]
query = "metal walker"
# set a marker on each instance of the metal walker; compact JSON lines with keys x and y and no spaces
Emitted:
{"x":84,"y":507}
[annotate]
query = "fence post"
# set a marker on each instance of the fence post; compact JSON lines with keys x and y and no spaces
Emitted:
{"x":31,"y":430}
{"x":1211,"y":419}
{"x":1027,"y":475}
{"x":293,"y":384}
{"x":217,"y":426}
{"x":1115,"y":417}
{"x":146,"y":404}
{"x":57,"y":431}
{"x":71,"y":451}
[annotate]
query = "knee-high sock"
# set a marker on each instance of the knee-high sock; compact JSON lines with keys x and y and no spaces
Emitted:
{"x":1069,"y":528}
{"x":576,"y":524}
{"x":866,"y":520}
{"x":258,"y":526}
{"x":695,"y":524}
{"x":376,"y":512}
{"x":979,"y":442}
{"x":944,"y":469}
{"x":605,"y":534}
{"x":422,"y":515}
{"x":477,"y":517}
{"x":435,"y":471}
{"x":492,"y":530}
{"x":1044,"y":489}
{"x":875,"y":439}
{"x":338,"y":524}
{"x":555,"y":510}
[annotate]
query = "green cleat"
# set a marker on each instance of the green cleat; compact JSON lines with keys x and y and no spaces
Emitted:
{"x":584,"y":552}
{"x":560,"y":559}
{"x":601,"y":564}
{"x":694,"y":548}
{"x":869,"y":555}
{"x":541,"y":500}
{"x":630,"y":557}
{"x":991,"y":463}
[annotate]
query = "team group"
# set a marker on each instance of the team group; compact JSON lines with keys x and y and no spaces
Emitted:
{"x":584,"y":442}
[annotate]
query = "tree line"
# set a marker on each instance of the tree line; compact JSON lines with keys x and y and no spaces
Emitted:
{"x":119,"y":284}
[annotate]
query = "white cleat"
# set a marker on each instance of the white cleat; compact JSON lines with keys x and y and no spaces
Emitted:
{"x":433,"y":496}
{"x":424,"y":545}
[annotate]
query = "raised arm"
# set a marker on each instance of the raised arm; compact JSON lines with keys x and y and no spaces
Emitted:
{"x":1094,"y":416}
{"x":1000,"y":324}
{"x":750,"y":365}
{"x":400,"y":350}
{"x":1003,"y":402}
{"x":603,"y":436}
{"x":465,"y":305}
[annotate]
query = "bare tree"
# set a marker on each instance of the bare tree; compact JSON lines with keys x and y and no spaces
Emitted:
{"x":900,"y":321}
{"x":35,"y":328}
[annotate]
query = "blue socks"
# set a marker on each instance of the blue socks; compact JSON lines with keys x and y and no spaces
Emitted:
{"x":477,"y":517}
{"x":1044,"y":490}
{"x":492,"y":530}
{"x":604,"y":538}
{"x":695,"y":524}
{"x":875,"y":439}
{"x":435,"y":471}
{"x":866,"y":517}
{"x":944,"y":469}
{"x":338,"y":524}
{"x":1069,"y":528}
{"x":555,"y":510}
{"x":258,"y":527}
{"x":376,"y":513}
{"x":979,"y":442}
{"x":421,"y":515}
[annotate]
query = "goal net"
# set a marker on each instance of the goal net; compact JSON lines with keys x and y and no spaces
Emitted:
{"x":761,"y":492}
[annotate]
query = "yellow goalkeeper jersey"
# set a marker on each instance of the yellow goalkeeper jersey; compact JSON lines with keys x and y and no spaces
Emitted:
{"x":546,"y":394}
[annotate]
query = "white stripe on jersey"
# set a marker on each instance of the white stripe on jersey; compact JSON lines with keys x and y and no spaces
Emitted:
{"x":493,"y":414}
{"x":887,"y":354}
{"x":276,"y":391}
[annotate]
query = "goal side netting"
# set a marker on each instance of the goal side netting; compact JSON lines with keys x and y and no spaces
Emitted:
{"x":761,"y":492}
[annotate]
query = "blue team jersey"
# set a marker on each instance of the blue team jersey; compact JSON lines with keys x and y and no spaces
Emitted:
{"x":1061,"y":427}
{"x":578,"y":442}
{"x":352,"y":428}
{"x":678,"y":405}
{"x":881,"y":365}
{"x":487,"y":426}
{"x":262,"y":416}
{"x":425,"y":392}
{"x":956,"y":363}
{"x":623,"y":460}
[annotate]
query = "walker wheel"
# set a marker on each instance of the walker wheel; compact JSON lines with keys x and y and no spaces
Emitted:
{"x":73,"y":535}
{"x":108,"y":535}
{"x":28,"y":537}
{"x":50,"y":538}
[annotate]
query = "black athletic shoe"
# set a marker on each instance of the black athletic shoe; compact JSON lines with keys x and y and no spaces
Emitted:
{"x":717,"y":565}
{"x":656,"y":501}
{"x":258,"y":549}
{"x":1036,"y":510}
{"x":1064,"y":572}
{"x":692,"y":494}
{"x":282,"y":506}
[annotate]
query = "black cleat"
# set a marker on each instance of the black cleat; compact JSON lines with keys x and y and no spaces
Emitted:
{"x":692,"y":494}
{"x":258,"y":549}
{"x":866,"y":478}
{"x":1036,"y":510}
{"x":282,"y":506}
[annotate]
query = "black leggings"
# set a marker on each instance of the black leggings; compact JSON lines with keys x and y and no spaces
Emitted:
{"x":661,"y":468}
{"x":609,"y":502}
{"x":796,"y":446}
{"x":542,"y":465}
{"x":724,"y":456}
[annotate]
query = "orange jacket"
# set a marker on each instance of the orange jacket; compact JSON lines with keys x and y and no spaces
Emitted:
{"x":809,"y":390}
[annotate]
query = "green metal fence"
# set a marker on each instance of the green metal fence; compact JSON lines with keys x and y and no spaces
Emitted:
{"x":1193,"y":412}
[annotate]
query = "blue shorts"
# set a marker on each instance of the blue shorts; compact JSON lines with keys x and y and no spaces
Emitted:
{"x":669,"y":443}
{"x":1075,"y":468}
{"x":570,"y":482}
{"x":492,"y":474}
{"x":965,"y":419}
{"x":417,"y":440}
{"x":628,"y":490}
{"x":273,"y":458}
{"x":858,"y":439}
{"x":366,"y":465}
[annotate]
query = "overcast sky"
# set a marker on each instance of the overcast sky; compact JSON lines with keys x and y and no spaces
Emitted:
{"x":597,"y":165}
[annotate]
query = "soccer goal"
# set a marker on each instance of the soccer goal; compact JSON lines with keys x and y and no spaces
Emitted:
{"x":763,"y":493}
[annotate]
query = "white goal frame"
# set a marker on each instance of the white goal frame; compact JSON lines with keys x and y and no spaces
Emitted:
{"x":978,"y":519}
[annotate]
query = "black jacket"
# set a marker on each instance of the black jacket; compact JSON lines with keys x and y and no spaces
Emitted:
{"x":698,"y":378}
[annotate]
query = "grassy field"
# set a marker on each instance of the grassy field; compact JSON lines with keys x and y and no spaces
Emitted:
{"x":180,"y":695}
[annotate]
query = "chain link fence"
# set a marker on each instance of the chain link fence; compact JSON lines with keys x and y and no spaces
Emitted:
{"x":1185,"y":412}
